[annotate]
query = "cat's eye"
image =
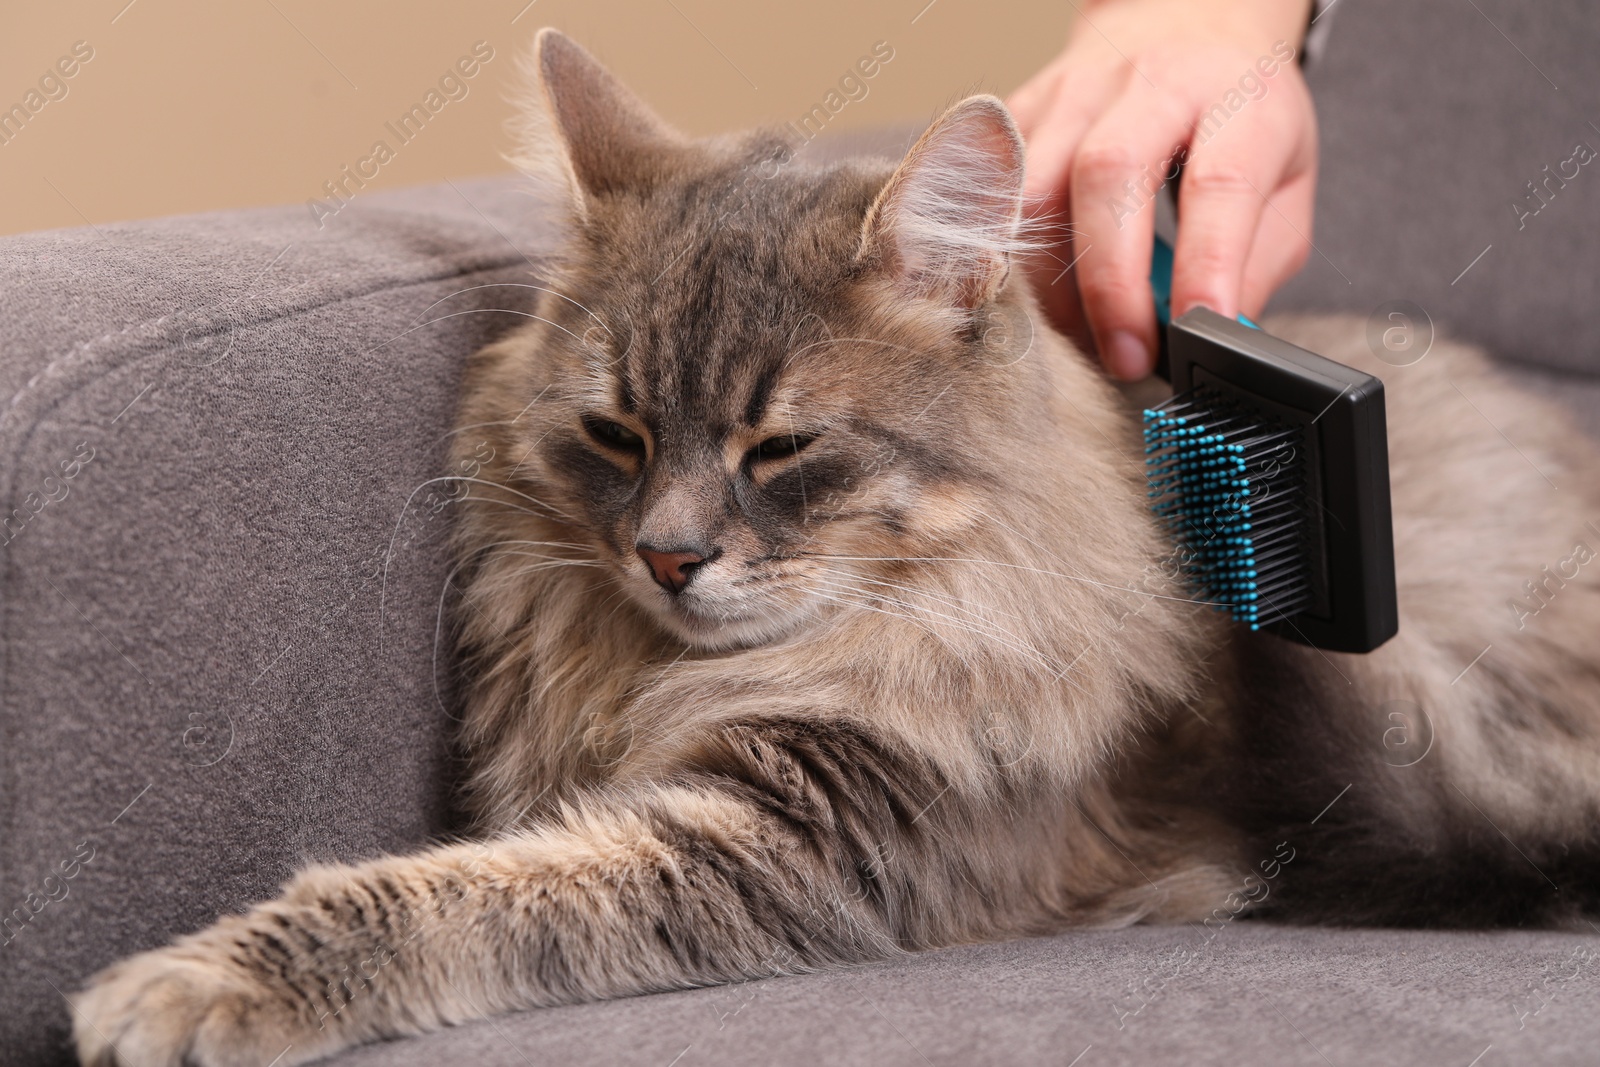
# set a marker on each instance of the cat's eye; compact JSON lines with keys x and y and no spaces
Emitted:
{"x":780,"y":447}
{"x":613,"y":435}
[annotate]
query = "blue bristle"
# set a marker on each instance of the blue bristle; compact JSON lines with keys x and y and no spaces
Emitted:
{"x":1229,"y":484}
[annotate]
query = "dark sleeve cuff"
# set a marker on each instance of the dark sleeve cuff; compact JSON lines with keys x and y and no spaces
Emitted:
{"x":1317,"y":32}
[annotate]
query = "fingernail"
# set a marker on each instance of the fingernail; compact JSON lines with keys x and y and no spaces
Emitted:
{"x":1189,"y":305}
{"x":1126,"y":356}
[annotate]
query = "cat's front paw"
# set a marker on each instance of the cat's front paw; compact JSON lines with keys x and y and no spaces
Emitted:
{"x":168,"y":1008}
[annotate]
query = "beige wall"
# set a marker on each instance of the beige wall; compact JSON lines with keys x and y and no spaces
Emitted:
{"x":191,"y":105}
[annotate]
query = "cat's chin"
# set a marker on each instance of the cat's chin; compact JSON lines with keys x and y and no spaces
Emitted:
{"x":720,"y":633}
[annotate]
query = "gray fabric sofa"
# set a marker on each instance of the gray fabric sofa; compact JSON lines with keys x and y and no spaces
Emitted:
{"x":223,"y":563}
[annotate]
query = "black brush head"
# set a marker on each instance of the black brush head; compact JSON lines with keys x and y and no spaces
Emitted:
{"x":1271,"y":465}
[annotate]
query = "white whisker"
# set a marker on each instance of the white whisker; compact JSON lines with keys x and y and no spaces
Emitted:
{"x":947,"y":598}
{"x":476,"y":311}
{"x":988,"y":631}
{"x":550,"y":512}
{"x":1020,"y":567}
{"x":514,"y":285}
{"x":405,"y":509}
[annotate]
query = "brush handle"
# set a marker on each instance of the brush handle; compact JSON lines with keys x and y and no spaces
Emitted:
{"x":1161,"y":285}
{"x":1161,"y":282}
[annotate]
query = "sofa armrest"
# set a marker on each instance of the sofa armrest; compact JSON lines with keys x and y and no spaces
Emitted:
{"x":223,"y":559}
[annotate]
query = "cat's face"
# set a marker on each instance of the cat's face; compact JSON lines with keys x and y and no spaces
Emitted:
{"x":767,"y":383}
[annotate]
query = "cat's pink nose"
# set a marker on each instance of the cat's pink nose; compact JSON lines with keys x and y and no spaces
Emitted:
{"x":672,"y":568}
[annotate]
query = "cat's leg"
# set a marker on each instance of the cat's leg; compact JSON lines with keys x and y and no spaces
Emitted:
{"x":777,"y":850}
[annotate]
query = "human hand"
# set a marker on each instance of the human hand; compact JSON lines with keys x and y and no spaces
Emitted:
{"x":1141,"y":86}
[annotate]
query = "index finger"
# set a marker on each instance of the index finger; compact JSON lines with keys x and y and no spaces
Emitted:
{"x":1220,"y":204}
{"x":1119,"y":168}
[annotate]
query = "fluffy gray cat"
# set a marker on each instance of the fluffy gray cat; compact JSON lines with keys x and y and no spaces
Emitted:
{"x":813,"y":614}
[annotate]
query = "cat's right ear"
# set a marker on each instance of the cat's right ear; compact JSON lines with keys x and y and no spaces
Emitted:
{"x":948,"y":223}
{"x":583,"y":134}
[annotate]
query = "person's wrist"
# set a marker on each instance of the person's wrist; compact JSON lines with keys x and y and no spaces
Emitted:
{"x":1254,"y":23}
{"x":1277,"y":20}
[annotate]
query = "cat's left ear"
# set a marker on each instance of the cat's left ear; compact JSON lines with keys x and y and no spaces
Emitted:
{"x":947,"y":223}
{"x":582,"y":133}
